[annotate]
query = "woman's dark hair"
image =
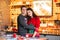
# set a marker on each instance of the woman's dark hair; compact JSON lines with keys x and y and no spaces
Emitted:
{"x":34,"y":15}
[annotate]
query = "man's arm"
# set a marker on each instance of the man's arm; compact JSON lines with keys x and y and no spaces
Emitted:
{"x":24,"y":24}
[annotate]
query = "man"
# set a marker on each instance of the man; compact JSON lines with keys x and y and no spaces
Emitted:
{"x":22,"y":22}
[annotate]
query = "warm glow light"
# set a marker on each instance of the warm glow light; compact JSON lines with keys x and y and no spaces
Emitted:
{"x":19,"y":3}
{"x":42,"y":8}
{"x":27,"y":2}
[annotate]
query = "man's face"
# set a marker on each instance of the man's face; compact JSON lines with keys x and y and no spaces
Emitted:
{"x":24,"y":10}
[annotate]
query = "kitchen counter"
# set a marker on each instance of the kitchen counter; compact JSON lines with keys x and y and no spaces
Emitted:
{"x":10,"y":37}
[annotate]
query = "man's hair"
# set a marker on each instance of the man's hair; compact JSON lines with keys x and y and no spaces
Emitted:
{"x":22,"y":7}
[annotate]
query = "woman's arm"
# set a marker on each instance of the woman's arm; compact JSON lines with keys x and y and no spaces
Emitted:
{"x":34,"y":34}
{"x":37,"y":26}
{"x":36,"y":31}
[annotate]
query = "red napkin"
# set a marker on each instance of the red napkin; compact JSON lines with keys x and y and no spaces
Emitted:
{"x":14,"y":35}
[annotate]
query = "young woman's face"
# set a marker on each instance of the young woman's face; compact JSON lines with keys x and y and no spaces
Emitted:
{"x":29,"y":13}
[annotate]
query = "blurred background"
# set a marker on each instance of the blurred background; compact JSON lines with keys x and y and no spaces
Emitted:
{"x":47,"y":10}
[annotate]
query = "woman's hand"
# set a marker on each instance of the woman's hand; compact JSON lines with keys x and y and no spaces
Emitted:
{"x":34,"y":34}
{"x":36,"y":31}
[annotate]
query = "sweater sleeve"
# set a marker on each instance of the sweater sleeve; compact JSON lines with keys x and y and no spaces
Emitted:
{"x":25,"y":25}
{"x":37,"y":24}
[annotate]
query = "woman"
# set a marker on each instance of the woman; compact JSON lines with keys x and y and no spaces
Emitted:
{"x":33,"y":19}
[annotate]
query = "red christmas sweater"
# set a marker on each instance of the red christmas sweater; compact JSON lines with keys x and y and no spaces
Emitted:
{"x":35,"y":21}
